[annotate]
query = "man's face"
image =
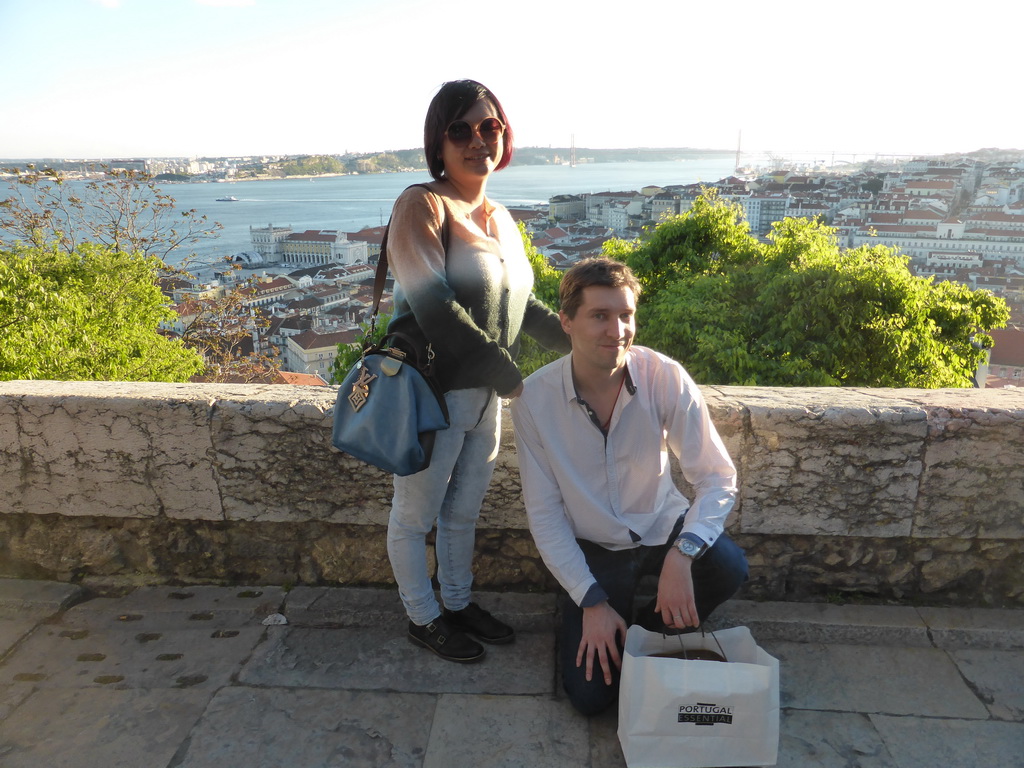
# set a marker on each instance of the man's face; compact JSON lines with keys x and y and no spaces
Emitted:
{"x":603,"y":328}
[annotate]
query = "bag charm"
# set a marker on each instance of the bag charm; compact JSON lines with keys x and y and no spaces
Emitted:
{"x":361,"y":389}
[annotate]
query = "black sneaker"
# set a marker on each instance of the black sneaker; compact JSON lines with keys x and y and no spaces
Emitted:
{"x":479,"y":623}
{"x":447,"y":642}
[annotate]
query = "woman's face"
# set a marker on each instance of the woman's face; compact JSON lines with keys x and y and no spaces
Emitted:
{"x":476,"y":160}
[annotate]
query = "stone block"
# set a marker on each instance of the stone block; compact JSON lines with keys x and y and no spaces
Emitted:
{"x":382,"y":659}
{"x":61,"y":728}
{"x":811,"y":467}
{"x":923,"y":742}
{"x":975,"y":628}
{"x":29,"y":599}
{"x":830,"y":740}
{"x":510,"y":731}
{"x":996,"y":677}
{"x":274,"y":461}
{"x":280,"y":727}
{"x":961,"y":494}
{"x":873,"y":679}
{"x":873,"y":625}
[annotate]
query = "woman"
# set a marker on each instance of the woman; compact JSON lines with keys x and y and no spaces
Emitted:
{"x":464,"y":287}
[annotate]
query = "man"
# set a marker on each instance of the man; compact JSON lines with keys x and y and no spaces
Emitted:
{"x":593,"y":431}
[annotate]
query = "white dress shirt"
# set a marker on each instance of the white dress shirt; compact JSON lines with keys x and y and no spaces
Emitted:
{"x":616,"y":490}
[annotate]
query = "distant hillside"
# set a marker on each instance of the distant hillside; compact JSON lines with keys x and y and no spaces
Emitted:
{"x":558,"y":155}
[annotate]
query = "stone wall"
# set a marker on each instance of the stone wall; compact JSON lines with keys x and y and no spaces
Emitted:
{"x":914,"y":495}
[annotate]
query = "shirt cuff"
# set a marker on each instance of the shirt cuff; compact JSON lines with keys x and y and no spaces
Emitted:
{"x":595,"y":595}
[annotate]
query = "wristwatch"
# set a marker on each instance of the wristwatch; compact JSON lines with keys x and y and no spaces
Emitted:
{"x":690,"y":548}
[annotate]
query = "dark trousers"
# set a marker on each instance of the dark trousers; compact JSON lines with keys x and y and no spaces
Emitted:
{"x":717,"y":575}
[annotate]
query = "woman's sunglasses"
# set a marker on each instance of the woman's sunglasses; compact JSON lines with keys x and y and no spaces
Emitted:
{"x":460,"y":133}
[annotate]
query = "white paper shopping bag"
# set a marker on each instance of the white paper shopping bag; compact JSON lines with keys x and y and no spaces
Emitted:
{"x":682,"y":713}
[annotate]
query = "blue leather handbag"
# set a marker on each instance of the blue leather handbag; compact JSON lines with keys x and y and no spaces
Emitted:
{"x":388,"y":412}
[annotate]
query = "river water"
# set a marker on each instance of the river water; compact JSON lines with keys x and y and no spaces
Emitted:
{"x":350,"y":203}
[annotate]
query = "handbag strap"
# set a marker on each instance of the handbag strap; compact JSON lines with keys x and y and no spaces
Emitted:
{"x":382,"y":263}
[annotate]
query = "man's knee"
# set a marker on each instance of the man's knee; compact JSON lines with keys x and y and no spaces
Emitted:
{"x":590,"y":698}
{"x":725,"y":562}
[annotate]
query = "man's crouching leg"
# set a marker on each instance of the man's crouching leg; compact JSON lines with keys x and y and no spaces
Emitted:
{"x":589,"y":697}
{"x":617,"y":573}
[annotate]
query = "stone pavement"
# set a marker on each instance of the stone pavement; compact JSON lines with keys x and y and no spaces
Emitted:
{"x":193,"y":676}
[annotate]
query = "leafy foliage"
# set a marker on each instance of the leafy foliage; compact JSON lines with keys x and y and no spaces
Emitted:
{"x":545,"y":287}
{"x":88,"y":315}
{"x":349,"y":353}
{"x":797,"y":311}
{"x":708,"y":239}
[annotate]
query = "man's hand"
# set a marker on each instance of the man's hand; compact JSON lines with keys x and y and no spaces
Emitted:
{"x":675,"y":592}
{"x":602,"y":628}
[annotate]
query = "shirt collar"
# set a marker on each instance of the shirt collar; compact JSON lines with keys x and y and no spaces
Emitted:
{"x":569,"y":388}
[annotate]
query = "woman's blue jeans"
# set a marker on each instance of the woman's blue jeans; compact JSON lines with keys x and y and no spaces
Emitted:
{"x":450,"y":492}
{"x":717,"y":575}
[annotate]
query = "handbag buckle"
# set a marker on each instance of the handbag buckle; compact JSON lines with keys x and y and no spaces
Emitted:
{"x":392,"y":362}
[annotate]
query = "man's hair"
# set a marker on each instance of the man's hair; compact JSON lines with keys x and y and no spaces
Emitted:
{"x":453,"y":100}
{"x":603,"y":272}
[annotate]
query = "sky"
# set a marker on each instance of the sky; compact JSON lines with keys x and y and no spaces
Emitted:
{"x":191,"y":78}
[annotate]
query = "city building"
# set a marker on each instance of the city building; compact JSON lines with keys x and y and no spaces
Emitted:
{"x":313,"y":352}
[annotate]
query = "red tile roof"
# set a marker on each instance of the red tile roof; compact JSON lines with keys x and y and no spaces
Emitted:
{"x":1009,"y":347}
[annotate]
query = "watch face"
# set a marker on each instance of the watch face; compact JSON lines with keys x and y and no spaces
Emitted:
{"x":688,"y":548}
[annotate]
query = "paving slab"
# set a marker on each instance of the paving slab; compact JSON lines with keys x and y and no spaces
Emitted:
{"x":272,"y":728}
{"x":354,"y":607}
{"x":605,"y":749}
{"x":975,"y":627}
{"x":384,"y":659}
{"x":810,"y":739}
{"x":160,"y":608}
{"x":56,"y":656}
{"x":348,"y":607}
{"x":825,"y":623}
{"x":917,"y":742}
{"x":60,"y":728}
{"x":997,"y":677}
{"x":12,"y":632}
{"x":28,"y":599}
{"x":506,"y":732}
{"x":11,"y":697}
{"x":882,"y":679}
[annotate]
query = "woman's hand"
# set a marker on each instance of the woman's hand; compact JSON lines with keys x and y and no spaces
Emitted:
{"x":515,"y":392}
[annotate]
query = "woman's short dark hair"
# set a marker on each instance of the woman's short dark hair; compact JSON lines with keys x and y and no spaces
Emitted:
{"x":453,"y":100}
{"x":603,"y":272}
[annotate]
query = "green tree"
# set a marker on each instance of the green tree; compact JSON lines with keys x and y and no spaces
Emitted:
{"x":709,"y":238}
{"x":349,"y":353}
{"x":88,"y":315}
{"x":798,"y":311}
{"x":545,"y":287}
